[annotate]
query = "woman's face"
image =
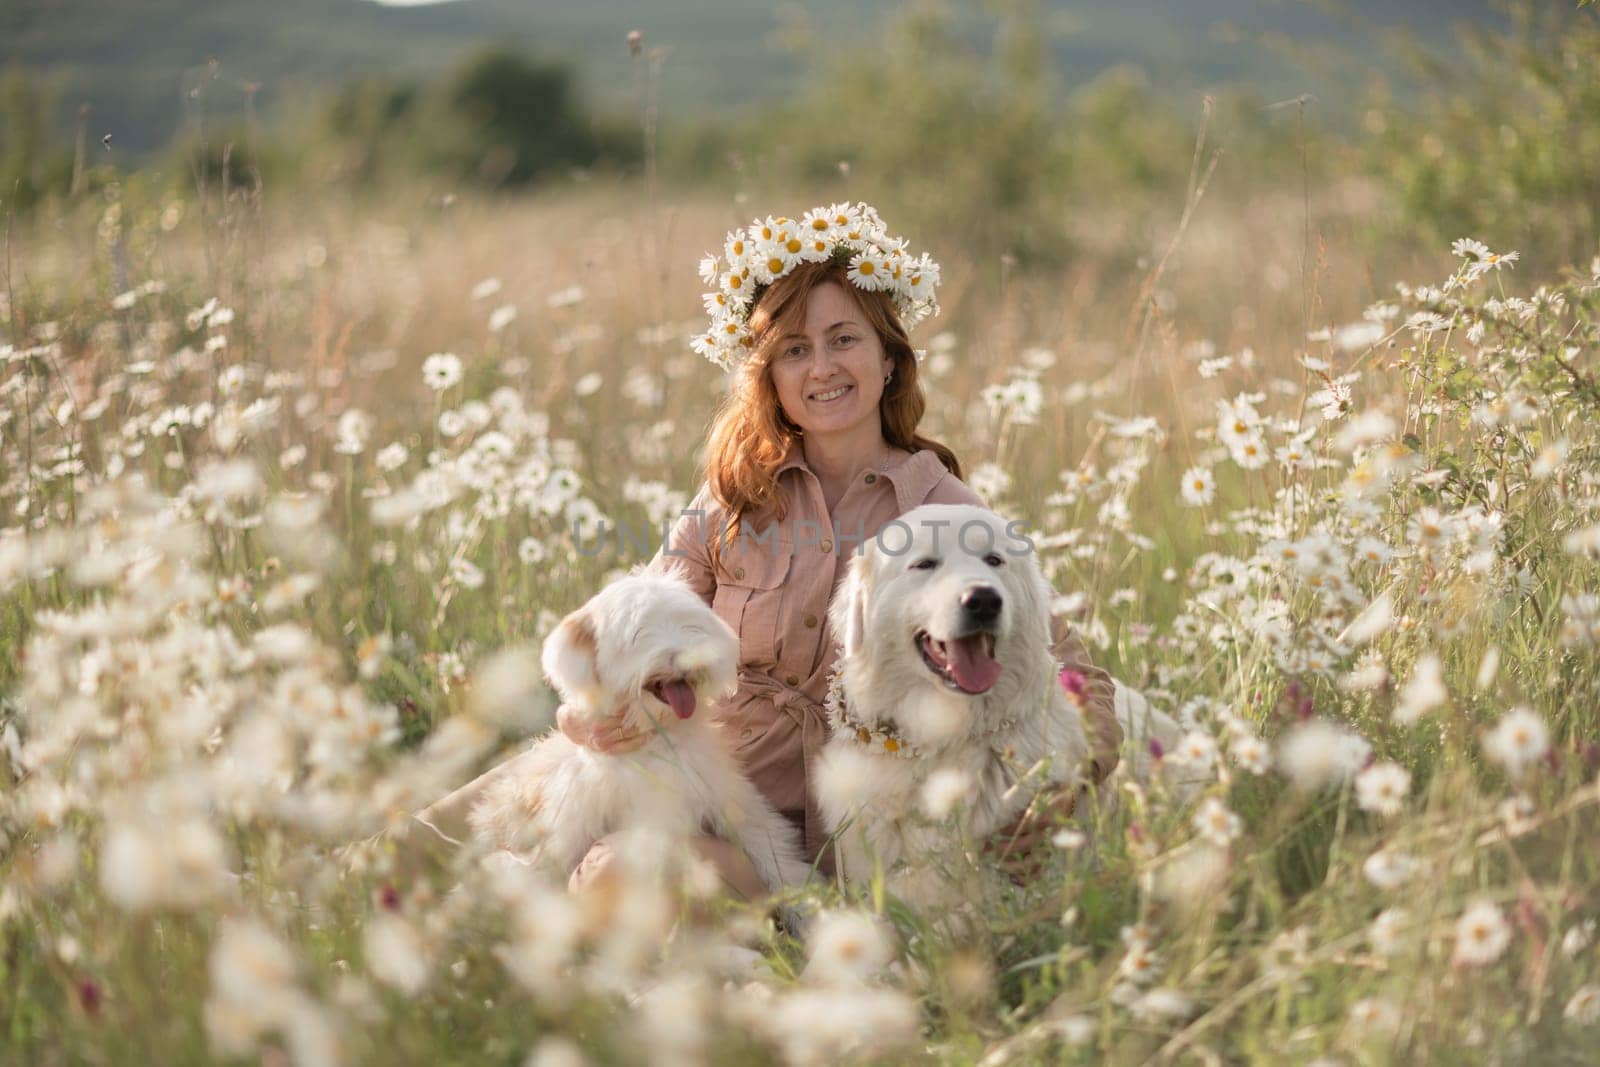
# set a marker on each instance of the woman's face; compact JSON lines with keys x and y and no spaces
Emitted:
{"x":829,"y":377}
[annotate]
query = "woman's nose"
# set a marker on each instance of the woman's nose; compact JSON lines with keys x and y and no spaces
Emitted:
{"x":822,"y":362}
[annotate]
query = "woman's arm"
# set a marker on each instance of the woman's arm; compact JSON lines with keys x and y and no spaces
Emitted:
{"x":686,"y":545}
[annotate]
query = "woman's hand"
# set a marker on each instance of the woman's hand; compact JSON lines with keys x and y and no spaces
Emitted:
{"x":1019,"y":847}
{"x":610,"y":735}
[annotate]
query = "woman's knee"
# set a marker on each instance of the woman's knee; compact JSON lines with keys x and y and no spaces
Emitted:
{"x":737,"y":872}
{"x":602,"y":865}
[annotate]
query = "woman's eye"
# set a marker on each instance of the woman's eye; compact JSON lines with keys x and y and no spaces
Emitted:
{"x":993,"y":559}
{"x":845,"y":339}
{"x":926,"y":564}
{"x":795,"y":352}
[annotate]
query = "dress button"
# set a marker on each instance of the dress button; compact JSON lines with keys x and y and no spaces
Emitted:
{"x":793,"y":679}
{"x":746,"y":733}
{"x":811,"y":622}
{"x":871,"y":478}
{"x":827,"y":546}
{"x":739,"y":573}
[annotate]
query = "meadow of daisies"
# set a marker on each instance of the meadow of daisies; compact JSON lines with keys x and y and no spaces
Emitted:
{"x":292,"y":490}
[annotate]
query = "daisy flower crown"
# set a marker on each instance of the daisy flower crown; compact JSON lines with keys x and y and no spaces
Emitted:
{"x":757,"y":255}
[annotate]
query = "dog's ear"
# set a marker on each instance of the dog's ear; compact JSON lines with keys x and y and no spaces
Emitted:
{"x":849,"y":609}
{"x":571,"y":656}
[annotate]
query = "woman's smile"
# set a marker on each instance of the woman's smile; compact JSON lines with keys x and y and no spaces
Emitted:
{"x":830,"y":395}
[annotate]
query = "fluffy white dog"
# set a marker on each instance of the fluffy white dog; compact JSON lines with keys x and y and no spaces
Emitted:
{"x":648,"y":644}
{"x":946,"y":697}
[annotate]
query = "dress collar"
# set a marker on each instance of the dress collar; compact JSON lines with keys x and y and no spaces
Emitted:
{"x":913,"y":476}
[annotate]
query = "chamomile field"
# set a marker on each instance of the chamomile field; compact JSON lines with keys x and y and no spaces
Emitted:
{"x":292,"y":487}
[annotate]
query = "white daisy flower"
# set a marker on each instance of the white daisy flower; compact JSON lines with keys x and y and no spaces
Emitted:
{"x":845,"y":948}
{"x":1518,"y":741}
{"x":1216,"y":823}
{"x":1388,"y":869}
{"x":819,"y":224}
{"x":531,"y":550}
{"x":392,"y":457}
{"x":1372,"y":550}
{"x":1584,"y":1006}
{"x":1199,"y":486}
{"x":1375,"y":619}
{"x":1382,"y":788}
{"x":1318,"y":754}
{"x":736,"y":254}
{"x":1386,"y":935}
{"x":772,"y":260}
{"x":452,"y":423}
{"x":1371,"y":1017}
{"x":1482,"y":935}
{"x":869,"y":271}
{"x":501,"y":317}
{"x":1250,"y":753}
{"x":1424,"y":692}
{"x":442,"y":371}
{"x":1577,"y":938}
{"x":568,"y":297}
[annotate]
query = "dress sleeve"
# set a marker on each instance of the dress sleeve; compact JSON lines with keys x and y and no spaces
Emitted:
{"x":686,"y":546}
{"x":1098,"y":695}
{"x":952,"y":490}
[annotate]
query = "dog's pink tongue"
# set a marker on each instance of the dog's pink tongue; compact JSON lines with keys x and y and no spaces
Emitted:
{"x":974,"y":669}
{"x":680,"y":694}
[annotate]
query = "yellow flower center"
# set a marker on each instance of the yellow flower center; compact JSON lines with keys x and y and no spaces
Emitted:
{"x":775,"y":265}
{"x":794,"y":245}
{"x":867,"y":267}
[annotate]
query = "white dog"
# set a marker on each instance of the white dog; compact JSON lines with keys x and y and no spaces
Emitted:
{"x":946,"y":697}
{"x":648,"y":644}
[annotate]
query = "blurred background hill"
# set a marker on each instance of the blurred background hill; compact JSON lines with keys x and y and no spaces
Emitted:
{"x":138,"y":63}
{"x":1043,"y":130}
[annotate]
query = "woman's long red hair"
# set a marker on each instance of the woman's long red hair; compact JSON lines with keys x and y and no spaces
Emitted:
{"x":750,"y":434}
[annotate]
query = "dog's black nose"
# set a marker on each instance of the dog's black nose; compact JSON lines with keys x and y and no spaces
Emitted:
{"x":981,"y":603}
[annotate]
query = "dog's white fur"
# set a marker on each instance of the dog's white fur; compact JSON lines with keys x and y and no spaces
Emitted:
{"x":563,"y":797}
{"x":1007,"y":742}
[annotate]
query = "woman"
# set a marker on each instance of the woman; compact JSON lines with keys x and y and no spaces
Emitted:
{"x":816,"y":443}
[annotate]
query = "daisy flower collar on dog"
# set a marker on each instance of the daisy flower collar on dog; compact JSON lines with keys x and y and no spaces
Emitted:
{"x":759,"y":254}
{"x":882,"y":738}
{"x":885,"y":736}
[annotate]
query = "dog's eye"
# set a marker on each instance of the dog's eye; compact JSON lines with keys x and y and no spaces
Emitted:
{"x":993,"y":559}
{"x":927,"y":563}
